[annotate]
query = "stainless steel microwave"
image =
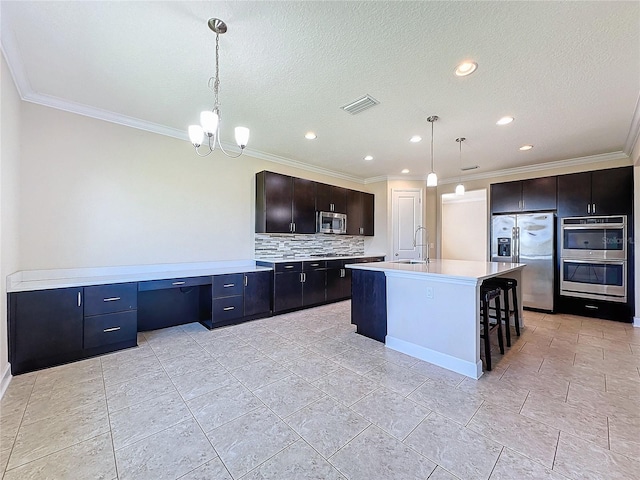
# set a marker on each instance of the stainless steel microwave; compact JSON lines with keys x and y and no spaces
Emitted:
{"x":331,"y":222}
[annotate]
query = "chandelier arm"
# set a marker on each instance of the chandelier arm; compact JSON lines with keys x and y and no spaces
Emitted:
{"x":205,"y":154}
{"x":227,"y":153}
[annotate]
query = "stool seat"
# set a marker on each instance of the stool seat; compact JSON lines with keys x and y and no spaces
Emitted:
{"x":507,"y":285}
{"x":490,"y":294}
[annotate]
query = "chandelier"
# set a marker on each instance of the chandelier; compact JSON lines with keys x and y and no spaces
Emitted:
{"x":432,"y":178}
{"x":210,"y":120}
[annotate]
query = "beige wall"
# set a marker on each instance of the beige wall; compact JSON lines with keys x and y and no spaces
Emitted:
{"x":464,"y":227}
{"x":9,"y":207}
{"x":94,"y":193}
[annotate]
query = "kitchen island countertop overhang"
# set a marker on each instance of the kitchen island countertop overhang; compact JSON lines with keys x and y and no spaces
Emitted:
{"x":433,"y":309}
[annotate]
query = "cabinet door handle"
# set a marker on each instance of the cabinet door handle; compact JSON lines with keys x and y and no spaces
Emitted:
{"x":246,"y":280}
{"x":588,"y":208}
{"x":178,"y":283}
{"x":111,"y":299}
{"x":226,"y":309}
{"x":361,"y":230}
{"x":303,"y":277}
{"x":342,"y":273}
{"x":226,"y":285}
{"x":79,"y":299}
{"x":112,"y":329}
{"x":594,"y":208}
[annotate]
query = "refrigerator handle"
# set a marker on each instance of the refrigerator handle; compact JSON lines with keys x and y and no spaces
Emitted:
{"x":516,"y":244}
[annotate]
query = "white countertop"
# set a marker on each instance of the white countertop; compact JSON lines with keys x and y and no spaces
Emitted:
{"x":463,"y":269}
{"x":29,"y":280}
{"x":311,"y":259}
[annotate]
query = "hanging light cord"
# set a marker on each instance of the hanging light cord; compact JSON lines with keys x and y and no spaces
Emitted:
{"x":214,"y":82}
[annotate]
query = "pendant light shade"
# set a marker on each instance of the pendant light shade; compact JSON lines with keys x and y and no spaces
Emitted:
{"x":432,"y":178}
{"x":460,"y":186}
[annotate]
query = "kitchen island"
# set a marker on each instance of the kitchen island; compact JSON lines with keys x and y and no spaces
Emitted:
{"x":431,"y":310}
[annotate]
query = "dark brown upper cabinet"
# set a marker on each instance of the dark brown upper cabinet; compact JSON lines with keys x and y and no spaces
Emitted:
{"x":330,"y":198}
{"x":360,"y":211}
{"x":530,"y":195}
{"x":601,"y":192}
{"x":284,"y":204}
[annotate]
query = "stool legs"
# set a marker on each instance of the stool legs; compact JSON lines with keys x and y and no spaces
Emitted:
{"x":506,"y":320}
{"x":516,"y":310}
{"x":485,"y":326}
{"x":499,"y":320}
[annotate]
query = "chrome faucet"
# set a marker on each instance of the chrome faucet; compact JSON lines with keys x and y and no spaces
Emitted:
{"x":422,"y":245}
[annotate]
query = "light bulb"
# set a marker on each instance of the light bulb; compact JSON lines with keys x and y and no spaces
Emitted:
{"x":209,"y":122}
{"x":432,"y":180}
{"x":196,"y":135}
{"x":460,"y":189}
{"x":242,"y":136}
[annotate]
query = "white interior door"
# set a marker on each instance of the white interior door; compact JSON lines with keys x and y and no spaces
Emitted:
{"x":406,"y":213}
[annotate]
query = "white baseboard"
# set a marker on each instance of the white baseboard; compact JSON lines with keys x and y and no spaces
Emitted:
{"x":636,"y":322}
{"x":470,"y":369}
{"x":4,"y":381}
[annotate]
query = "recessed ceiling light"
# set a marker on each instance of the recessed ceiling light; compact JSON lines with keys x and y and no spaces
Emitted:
{"x":415,"y":139}
{"x":504,"y":121}
{"x":526,"y":147}
{"x":466,"y":68}
{"x":368,"y":157}
{"x":406,"y":170}
{"x":310,"y":136}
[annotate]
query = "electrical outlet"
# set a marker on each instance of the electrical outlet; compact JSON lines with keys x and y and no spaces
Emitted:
{"x":429,"y":292}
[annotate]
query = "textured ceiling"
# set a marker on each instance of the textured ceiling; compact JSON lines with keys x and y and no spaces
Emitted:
{"x":569,"y":72}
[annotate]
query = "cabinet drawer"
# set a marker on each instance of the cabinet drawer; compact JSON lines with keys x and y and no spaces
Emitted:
{"x":173,"y":283}
{"x":228,"y":285}
{"x":288,"y":267}
{"x":309,"y":265}
{"x":101,"y":299}
{"x":226,"y":308}
{"x":110,"y":328}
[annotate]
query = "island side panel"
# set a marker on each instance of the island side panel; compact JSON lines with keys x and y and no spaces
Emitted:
{"x":369,"y":303}
{"x":436,"y":320}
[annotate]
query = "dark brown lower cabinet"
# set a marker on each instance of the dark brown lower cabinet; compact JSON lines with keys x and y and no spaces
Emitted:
{"x":45,"y":328}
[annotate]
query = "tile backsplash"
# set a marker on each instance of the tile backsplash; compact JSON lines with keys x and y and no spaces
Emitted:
{"x":274,"y":245}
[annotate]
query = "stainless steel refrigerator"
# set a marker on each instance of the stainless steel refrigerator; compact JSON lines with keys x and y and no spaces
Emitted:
{"x":528,"y":238}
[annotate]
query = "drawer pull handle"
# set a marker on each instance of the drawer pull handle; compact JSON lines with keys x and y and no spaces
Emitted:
{"x":315,"y":264}
{"x":591,"y":307}
{"x":112,"y":329}
{"x":226,"y":285}
{"x":111,"y":299}
{"x":228,"y":308}
{"x":288,"y":266}
{"x":178,"y":283}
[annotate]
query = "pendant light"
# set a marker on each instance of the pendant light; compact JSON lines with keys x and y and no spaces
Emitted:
{"x":210,"y":120}
{"x":432,"y":178}
{"x":460,"y":186}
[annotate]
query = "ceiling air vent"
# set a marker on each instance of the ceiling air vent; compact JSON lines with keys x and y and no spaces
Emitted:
{"x":360,"y":105}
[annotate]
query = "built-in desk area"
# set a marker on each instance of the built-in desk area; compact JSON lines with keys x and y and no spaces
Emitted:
{"x":58,"y":316}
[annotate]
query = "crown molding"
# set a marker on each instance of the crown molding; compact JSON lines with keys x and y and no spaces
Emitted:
{"x":571,"y":162}
{"x":12,"y":56}
{"x":28,"y":95}
{"x":634,"y":132}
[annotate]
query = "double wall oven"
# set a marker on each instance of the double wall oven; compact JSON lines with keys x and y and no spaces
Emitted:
{"x":593,"y":258}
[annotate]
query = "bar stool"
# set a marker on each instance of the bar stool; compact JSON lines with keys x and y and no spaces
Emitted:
{"x":507,"y":285}
{"x":488,"y":294}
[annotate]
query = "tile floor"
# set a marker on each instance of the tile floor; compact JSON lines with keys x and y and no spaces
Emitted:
{"x":301,"y":396}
